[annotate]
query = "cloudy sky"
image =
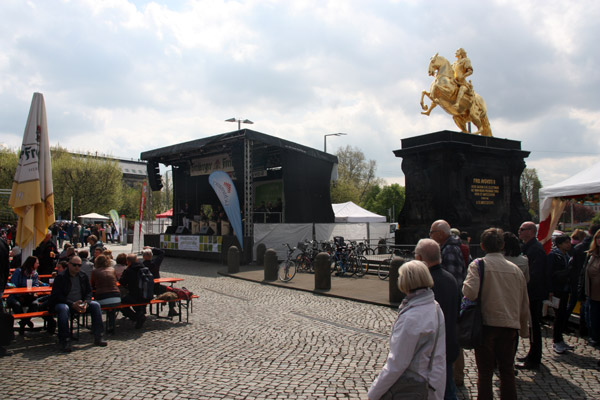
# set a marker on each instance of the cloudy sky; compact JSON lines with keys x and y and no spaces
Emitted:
{"x":121,"y":77}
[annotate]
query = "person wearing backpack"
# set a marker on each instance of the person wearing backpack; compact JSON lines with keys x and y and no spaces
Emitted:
{"x":135,"y":280}
{"x":153,"y":257}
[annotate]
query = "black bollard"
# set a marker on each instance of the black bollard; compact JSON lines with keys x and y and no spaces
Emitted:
{"x":322,"y":272}
{"x":396,"y":295}
{"x":271,"y":265}
{"x":260,"y":254}
{"x":233,"y":260}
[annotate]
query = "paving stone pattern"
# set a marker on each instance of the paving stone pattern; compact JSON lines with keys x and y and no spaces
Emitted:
{"x":247,"y":340}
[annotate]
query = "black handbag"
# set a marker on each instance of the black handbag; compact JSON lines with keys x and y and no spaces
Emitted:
{"x":470,"y":322}
{"x":408,"y":388}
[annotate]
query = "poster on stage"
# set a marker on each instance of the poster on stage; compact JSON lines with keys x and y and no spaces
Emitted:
{"x":204,"y":243}
{"x":191,"y":243}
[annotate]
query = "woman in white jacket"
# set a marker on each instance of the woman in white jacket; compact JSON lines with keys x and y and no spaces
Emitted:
{"x":418,"y":339}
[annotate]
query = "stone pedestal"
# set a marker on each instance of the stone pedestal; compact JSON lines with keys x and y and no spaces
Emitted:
{"x":470,"y":181}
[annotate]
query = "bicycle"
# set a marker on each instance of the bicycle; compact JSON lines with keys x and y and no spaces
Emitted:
{"x":383,"y":271}
{"x":287,"y":269}
{"x":304,"y":260}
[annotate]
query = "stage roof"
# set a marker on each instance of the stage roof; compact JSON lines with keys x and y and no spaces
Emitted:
{"x":216,"y":144}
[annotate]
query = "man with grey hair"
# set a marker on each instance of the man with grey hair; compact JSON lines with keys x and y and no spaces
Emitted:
{"x":452,"y":257}
{"x":453,"y":261}
{"x":447,"y":294}
{"x":540,"y":282}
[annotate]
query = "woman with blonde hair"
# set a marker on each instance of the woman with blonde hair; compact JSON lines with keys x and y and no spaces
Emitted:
{"x":417,"y":357}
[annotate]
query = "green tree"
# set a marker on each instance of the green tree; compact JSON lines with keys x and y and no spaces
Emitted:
{"x":155,"y":202}
{"x":389,"y":201}
{"x":94,"y":184}
{"x":356,"y":176}
{"x":369,"y":199}
{"x":530,"y":187}
{"x":8,"y":166}
{"x":343,"y":191}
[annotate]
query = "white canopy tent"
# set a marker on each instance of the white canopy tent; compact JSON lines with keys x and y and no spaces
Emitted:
{"x":94,"y":216}
{"x":553,"y":199}
{"x":350,"y":212}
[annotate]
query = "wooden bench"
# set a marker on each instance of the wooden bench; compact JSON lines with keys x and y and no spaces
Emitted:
{"x":182,"y":305}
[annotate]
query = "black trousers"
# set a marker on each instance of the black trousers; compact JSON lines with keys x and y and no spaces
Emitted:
{"x":535,"y":337}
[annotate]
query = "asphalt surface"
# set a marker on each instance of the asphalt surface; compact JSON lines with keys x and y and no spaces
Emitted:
{"x":247,"y":339}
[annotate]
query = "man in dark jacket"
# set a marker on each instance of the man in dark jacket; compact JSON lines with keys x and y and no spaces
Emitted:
{"x":558,"y":262}
{"x":47,"y":253}
{"x":538,"y":288}
{"x":447,"y":294}
{"x":153,"y":257}
{"x":453,"y":261}
{"x":130,"y":281}
{"x":71,"y":292}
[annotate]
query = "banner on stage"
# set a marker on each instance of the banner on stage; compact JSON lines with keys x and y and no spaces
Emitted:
{"x":207,"y":244}
{"x":208,"y":165}
{"x":225,"y":190}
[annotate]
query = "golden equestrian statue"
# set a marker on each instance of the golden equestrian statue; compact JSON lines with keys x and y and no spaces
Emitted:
{"x":455,"y":95}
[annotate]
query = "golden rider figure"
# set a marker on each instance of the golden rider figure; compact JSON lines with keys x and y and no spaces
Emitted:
{"x":462,"y":68}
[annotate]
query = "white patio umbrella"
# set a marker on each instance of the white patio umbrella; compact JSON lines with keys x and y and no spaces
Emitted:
{"x":32,"y":197}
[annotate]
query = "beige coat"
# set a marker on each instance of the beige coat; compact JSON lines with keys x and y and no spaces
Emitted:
{"x":504,"y":302}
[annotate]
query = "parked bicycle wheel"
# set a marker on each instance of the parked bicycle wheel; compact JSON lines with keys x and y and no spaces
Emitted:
{"x":368,"y":251}
{"x":361,"y":266}
{"x":383,"y":271}
{"x":287,"y":270}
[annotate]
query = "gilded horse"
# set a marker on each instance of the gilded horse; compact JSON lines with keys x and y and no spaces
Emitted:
{"x":444,"y":90}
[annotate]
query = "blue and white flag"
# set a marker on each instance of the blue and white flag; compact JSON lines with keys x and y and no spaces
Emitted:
{"x":223,"y":186}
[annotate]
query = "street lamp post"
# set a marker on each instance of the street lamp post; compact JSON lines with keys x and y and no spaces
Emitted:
{"x":239,"y":121}
{"x":330,"y":134}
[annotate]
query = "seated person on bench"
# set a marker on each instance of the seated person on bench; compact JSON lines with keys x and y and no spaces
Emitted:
{"x":71,"y":292}
{"x":129,"y":280}
{"x":153,"y":257}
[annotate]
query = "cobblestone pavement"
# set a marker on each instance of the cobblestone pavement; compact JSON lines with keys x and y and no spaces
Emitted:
{"x":247,"y":340}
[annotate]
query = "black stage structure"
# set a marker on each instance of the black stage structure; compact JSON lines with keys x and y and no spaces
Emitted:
{"x":299,"y":176}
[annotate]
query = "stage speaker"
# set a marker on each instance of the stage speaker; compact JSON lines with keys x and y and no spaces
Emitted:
{"x":182,"y":230}
{"x":204,"y":230}
{"x":170,"y":230}
{"x":154,"y":178}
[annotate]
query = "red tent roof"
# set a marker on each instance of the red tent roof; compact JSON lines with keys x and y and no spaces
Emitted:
{"x":166,"y":214}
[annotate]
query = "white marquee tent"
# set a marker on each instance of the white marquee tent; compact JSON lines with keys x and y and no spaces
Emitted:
{"x":350,"y":212}
{"x":94,"y":216}
{"x":553,"y":199}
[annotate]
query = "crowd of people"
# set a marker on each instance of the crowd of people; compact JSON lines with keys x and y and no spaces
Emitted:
{"x":83,"y":279}
{"x":514,"y":283}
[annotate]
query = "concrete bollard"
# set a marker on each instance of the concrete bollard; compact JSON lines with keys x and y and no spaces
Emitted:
{"x":233,"y":260}
{"x":271,"y":265}
{"x":260,"y":254}
{"x":381,"y":247}
{"x":322,"y":272}
{"x":396,"y":295}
